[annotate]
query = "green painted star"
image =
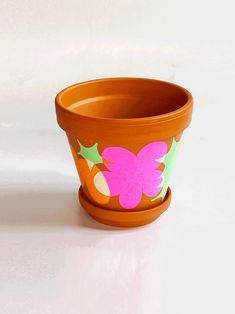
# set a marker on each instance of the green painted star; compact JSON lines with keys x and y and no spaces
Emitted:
{"x":90,"y":153}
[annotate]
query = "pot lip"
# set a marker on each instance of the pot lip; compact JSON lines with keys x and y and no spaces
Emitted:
{"x":182,"y":111}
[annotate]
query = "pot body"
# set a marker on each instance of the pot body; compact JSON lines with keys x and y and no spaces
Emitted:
{"x":124,"y":134}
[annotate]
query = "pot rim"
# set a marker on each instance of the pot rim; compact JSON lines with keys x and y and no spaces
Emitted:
{"x":182,"y":111}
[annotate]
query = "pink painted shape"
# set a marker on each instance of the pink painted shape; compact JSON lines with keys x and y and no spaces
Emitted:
{"x":129,"y":175}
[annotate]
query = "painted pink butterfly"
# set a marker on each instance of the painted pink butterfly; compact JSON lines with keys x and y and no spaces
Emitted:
{"x":131,"y":175}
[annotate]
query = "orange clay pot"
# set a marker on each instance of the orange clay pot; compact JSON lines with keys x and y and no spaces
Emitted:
{"x":124,"y":133}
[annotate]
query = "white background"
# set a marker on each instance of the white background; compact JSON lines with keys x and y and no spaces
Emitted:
{"x":53,"y":257}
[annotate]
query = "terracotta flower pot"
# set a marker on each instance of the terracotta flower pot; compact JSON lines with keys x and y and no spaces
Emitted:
{"x":123,"y":134}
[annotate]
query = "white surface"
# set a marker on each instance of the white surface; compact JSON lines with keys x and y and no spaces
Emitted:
{"x":53,"y":257}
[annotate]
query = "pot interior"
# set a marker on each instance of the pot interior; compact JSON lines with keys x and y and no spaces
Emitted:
{"x":124,"y":98}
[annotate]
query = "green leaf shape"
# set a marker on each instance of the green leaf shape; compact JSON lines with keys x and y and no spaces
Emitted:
{"x":90,"y":153}
{"x":168,"y":161}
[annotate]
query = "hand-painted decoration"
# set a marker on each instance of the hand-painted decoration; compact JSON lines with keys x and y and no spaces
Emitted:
{"x":90,"y":153}
{"x":126,"y":175}
{"x":168,"y":162}
{"x":131,"y":175}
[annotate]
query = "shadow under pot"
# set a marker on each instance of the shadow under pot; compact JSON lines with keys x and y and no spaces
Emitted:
{"x":124,"y":134}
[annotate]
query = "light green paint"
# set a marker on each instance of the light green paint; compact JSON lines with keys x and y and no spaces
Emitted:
{"x":90,"y":153}
{"x":168,"y":161}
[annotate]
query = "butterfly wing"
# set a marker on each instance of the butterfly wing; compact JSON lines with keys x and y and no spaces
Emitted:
{"x":149,"y":159}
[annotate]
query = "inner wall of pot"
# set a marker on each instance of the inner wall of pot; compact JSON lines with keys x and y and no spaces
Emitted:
{"x":125,"y":99}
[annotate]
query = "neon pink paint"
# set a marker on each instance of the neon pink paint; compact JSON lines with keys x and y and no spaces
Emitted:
{"x":129,"y":175}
